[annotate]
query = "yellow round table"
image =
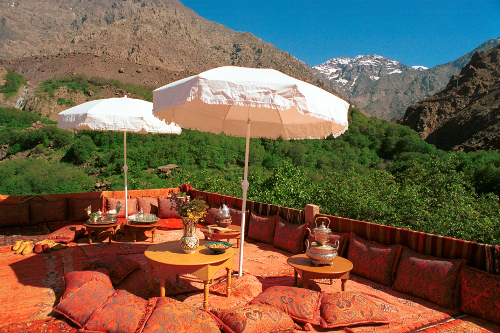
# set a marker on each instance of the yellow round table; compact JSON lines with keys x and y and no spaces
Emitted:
{"x":168,"y":259}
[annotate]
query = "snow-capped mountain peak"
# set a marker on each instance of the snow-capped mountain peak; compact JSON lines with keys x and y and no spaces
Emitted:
{"x":346,"y":74}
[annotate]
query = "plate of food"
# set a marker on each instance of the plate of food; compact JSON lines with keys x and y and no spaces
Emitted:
{"x":218,"y":247}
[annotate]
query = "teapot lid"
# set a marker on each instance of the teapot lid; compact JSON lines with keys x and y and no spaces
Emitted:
{"x":322,"y":228}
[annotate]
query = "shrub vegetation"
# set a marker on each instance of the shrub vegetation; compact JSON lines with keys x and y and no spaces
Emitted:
{"x":377,"y":171}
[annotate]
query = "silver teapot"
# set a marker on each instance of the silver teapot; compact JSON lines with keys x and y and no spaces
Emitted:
{"x":319,"y":251}
{"x":224,"y":212}
{"x":321,"y":233}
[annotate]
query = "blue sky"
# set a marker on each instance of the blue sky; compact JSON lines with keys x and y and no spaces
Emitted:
{"x":426,"y":33}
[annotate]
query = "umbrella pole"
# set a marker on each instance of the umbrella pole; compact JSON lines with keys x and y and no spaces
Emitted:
{"x":244,"y":186}
{"x":125,"y":168}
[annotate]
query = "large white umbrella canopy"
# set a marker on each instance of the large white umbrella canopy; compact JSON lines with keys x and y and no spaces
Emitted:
{"x":116,"y":114}
{"x":249,"y":102}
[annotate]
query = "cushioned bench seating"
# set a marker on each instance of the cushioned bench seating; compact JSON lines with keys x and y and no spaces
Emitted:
{"x":35,"y":217}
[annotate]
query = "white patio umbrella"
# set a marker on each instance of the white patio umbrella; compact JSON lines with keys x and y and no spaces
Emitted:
{"x":116,"y":114}
{"x":230,"y":99}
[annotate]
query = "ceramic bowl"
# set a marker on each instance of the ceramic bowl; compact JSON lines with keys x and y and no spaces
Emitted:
{"x":218,"y":247}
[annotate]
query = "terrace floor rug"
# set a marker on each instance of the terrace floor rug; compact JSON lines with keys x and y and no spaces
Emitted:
{"x":32,"y":285}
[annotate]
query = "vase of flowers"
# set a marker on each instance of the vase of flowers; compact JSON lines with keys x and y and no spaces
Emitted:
{"x":191,"y":212}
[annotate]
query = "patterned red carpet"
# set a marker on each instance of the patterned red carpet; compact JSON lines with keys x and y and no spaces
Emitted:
{"x":31,"y":285}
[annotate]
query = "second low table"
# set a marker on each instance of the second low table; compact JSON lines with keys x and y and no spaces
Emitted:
{"x":303,"y":266}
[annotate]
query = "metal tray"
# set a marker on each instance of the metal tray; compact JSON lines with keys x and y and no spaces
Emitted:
{"x":102,"y":222}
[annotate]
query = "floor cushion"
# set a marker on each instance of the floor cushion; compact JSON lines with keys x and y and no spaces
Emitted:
{"x":261,"y":228}
{"x":14,"y":215}
{"x":118,"y":266}
{"x":428,"y":277}
{"x":254,"y":318}
{"x":301,"y":304}
{"x":67,"y":234}
{"x":78,"y":208}
{"x":122,"y":312}
{"x":480,"y":294}
{"x":51,"y":211}
{"x":85,"y":292}
{"x":372,"y":260}
{"x":349,"y":308}
{"x":289,"y":236}
{"x":148,"y":205}
{"x":169,"y":315}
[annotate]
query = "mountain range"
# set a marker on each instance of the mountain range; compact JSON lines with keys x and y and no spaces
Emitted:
{"x":155,"y":42}
{"x":150,"y":35}
{"x":384,"y":88}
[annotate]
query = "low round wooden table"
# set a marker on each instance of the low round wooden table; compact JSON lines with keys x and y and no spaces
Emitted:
{"x":101,"y":227}
{"x":303,"y":265}
{"x":234,"y":233}
{"x":168,"y":259}
{"x":134,"y":228}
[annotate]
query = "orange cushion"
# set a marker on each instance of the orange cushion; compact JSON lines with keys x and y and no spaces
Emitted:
{"x":299,"y":303}
{"x":85,"y":292}
{"x":254,"y":318}
{"x":349,"y":308}
{"x":169,"y":315}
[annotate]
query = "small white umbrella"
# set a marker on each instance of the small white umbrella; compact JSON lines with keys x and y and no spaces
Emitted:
{"x":116,"y":114}
{"x":229,"y":99}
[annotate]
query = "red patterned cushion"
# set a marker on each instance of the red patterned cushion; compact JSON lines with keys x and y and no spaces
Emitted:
{"x":211,"y":215}
{"x":118,"y":266}
{"x":349,"y":308}
{"x":132,"y":206}
{"x":148,"y":205}
{"x":255,"y":318}
{"x":14,"y":215}
{"x":261,"y":228}
{"x":372,"y":260}
{"x":78,"y":211}
{"x":236,"y":216}
{"x":67,"y":234}
{"x":431,"y":278}
{"x":51,"y":211}
{"x":172,"y":316}
{"x":167,"y":207}
{"x":80,"y":300}
{"x":480,"y":294}
{"x":300,"y":304}
{"x":122,"y":312}
{"x":343,"y":239}
{"x":74,"y":280}
{"x":289,"y":236}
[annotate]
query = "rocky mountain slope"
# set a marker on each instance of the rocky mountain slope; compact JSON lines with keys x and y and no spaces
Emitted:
{"x":466,"y":114}
{"x":156,"y":34}
{"x":375,"y":86}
